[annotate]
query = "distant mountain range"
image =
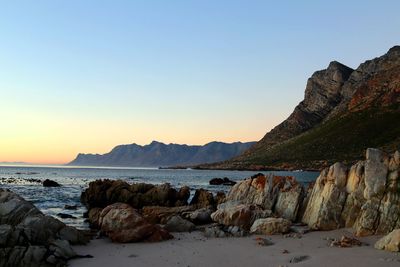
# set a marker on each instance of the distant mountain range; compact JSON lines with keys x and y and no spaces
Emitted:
{"x":159,"y":154}
{"x":344,"y":111}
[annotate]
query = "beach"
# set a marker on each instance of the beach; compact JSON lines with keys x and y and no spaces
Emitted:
{"x":193,"y":249}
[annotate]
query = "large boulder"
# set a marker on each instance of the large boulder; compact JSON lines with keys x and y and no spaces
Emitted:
{"x":102,"y":193}
{"x":270,"y":226}
{"x":30,"y":238}
{"x":236,"y":214}
{"x":158,"y":214}
{"x":281,"y":194}
{"x":123,"y":224}
{"x":327,"y":199}
{"x":390,"y":242}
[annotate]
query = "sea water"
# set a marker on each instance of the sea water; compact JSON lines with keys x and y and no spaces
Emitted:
{"x":24,"y":180}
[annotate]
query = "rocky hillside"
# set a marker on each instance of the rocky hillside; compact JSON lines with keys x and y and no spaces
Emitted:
{"x":158,"y":154}
{"x":344,"y":111}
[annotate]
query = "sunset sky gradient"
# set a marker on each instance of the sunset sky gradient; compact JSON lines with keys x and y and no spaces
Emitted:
{"x":84,"y":76}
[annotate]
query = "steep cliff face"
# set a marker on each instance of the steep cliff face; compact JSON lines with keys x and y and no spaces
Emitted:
{"x":344,"y":111}
{"x":323,"y":93}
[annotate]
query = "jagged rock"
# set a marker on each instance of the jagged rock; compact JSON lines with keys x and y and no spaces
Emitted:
{"x":178,"y":224}
{"x":29,"y":238}
{"x":50,"y":183}
{"x":289,"y":201}
{"x":390,"y":242}
{"x":105,"y":192}
{"x":123,"y":224}
{"x":236,"y":214}
{"x":203,"y":199}
{"x":327,"y":199}
{"x":157,"y":214}
{"x":270,"y":226}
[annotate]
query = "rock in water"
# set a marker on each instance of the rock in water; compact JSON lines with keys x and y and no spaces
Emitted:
{"x":270,"y":226}
{"x":50,"y":183}
{"x":390,"y":242}
{"x":123,"y":224}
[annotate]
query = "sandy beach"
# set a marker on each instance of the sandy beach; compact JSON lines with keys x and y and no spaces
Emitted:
{"x":193,"y":249}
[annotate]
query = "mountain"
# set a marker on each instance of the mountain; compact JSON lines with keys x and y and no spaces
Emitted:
{"x":159,"y":154}
{"x":344,"y":111}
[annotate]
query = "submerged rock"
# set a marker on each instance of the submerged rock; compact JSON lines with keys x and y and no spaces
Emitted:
{"x":222,"y":181}
{"x":50,"y":183}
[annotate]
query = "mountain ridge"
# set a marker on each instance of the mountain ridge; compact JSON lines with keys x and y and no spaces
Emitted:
{"x":158,"y":154}
{"x":342,"y":107}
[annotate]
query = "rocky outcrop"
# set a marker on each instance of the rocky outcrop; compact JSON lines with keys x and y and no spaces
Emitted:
{"x":30,"y":238}
{"x":365,"y":197}
{"x":237,"y":214}
{"x":102,"y":193}
{"x":281,"y":194}
{"x":390,"y":242}
{"x":158,"y":214}
{"x":270,"y":226}
{"x":342,"y":113}
{"x":122,"y":223}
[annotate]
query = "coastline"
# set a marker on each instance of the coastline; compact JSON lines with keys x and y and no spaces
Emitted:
{"x":193,"y":249}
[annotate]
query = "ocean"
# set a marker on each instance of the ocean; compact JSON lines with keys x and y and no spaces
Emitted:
{"x":24,"y":181}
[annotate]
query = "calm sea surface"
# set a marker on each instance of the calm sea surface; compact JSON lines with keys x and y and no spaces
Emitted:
{"x":75,"y":179}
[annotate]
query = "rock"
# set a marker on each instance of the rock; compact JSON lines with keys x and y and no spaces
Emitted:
{"x":264,"y":241}
{"x":29,"y":238}
{"x":281,"y":194}
{"x":65,"y":216}
{"x":300,"y":229}
{"x":123,"y":224}
{"x":346,"y":242}
{"x":105,"y":192}
{"x":222,"y":181}
{"x":236,"y":214}
{"x":219,"y":231}
{"x":94,"y":215}
{"x":270,"y":226}
{"x":157,"y":214}
{"x":298,"y":259}
{"x":50,"y":183}
{"x":203,"y":199}
{"x":201,"y":216}
{"x":390,"y":242}
{"x":177,"y":224}
{"x":71,"y":207}
{"x":219,"y":198}
{"x":327,"y":199}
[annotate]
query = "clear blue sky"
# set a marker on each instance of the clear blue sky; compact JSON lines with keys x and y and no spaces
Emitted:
{"x":83,"y":76}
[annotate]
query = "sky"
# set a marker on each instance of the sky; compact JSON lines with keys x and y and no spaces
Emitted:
{"x":85,"y":76}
